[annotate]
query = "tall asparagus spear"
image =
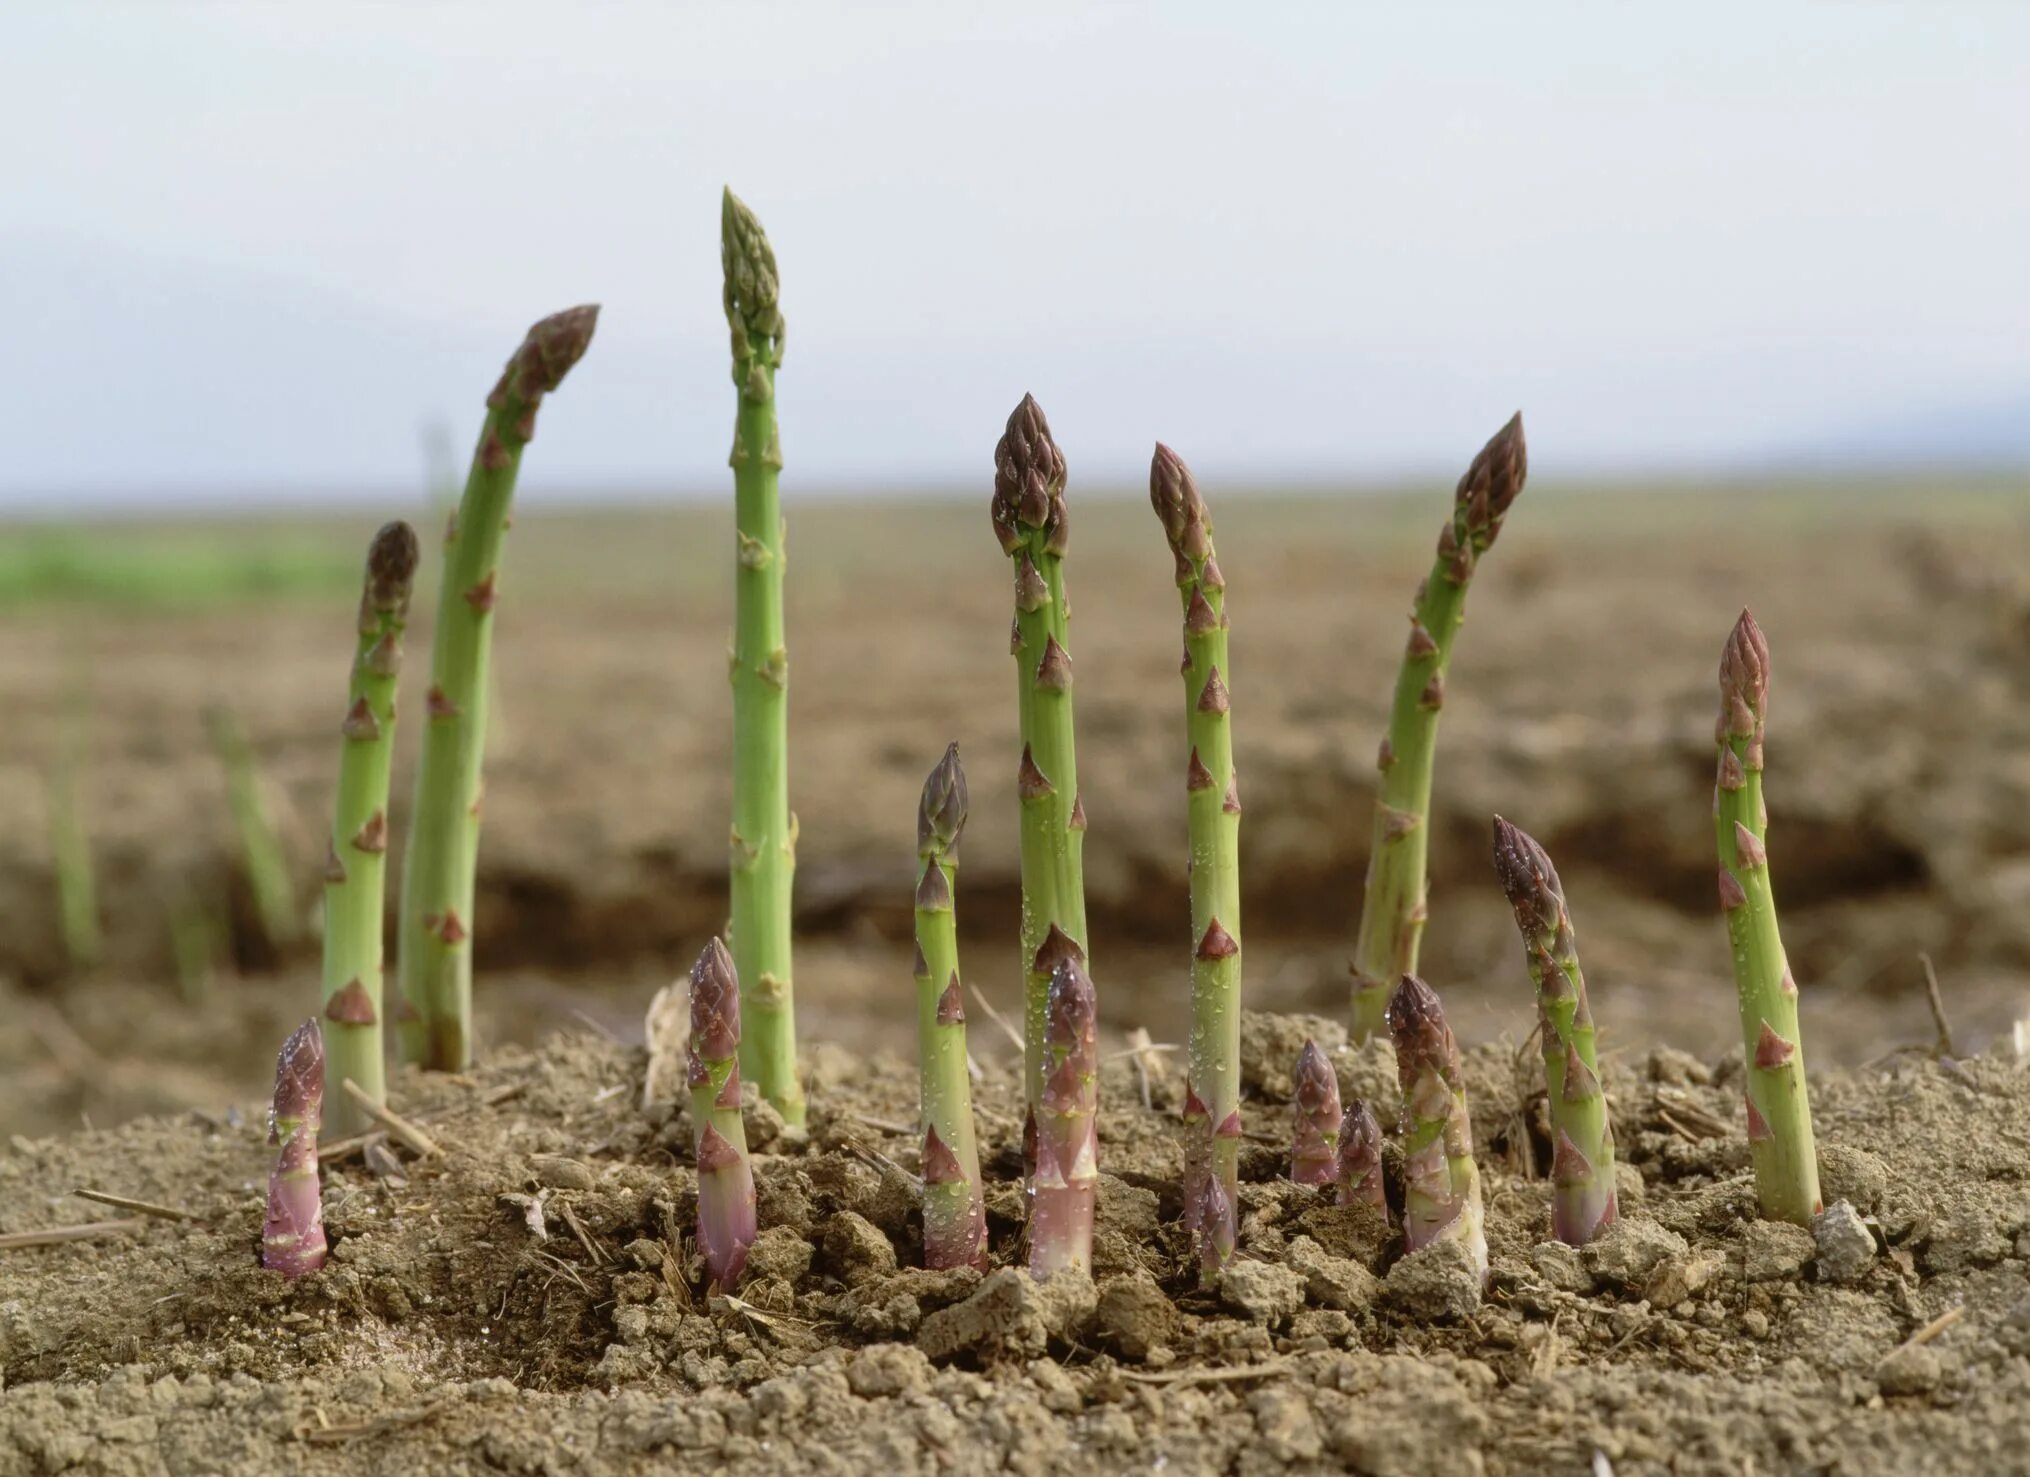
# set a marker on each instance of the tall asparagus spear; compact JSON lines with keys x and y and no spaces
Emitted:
{"x":1033,"y":527}
{"x":725,"y":1177}
{"x":1441,"y":1182}
{"x":268,"y":872}
{"x":292,"y":1240}
{"x":1067,"y":1175}
{"x":764,"y":830}
{"x":356,"y":864}
{"x":1213,"y":806}
{"x":1360,"y":1159}
{"x":1779,"y":1111}
{"x":1314,"y":1150}
{"x":954,"y":1209}
{"x":1392,"y":915}
{"x":1582,"y":1161}
{"x":437,"y":873}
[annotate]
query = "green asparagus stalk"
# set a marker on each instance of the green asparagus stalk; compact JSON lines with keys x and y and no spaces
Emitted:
{"x":954,"y":1206}
{"x":1213,"y":807}
{"x":1067,"y":1173}
{"x":1033,"y":527}
{"x":1582,"y":1161}
{"x":435,"y":1015}
{"x":356,"y":863}
{"x":1441,"y":1182}
{"x":1779,"y":1111}
{"x":77,"y":893}
{"x":726,"y":1204}
{"x":1314,"y":1149}
{"x":292,"y":1238}
{"x":764,"y":830}
{"x":268,"y":874}
{"x":1360,"y":1159}
{"x":1393,"y":913}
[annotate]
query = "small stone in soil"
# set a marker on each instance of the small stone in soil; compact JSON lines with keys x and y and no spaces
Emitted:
{"x":1910,"y":1370}
{"x":1260,"y":1291}
{"x":1679,"y":1278}
{"x":1628,"y":1253}
{"x":1846,"y":1247}
{"x":1774,"y":1251}
{"x":1134,"y":1316}
{"x":1440,"y":1281}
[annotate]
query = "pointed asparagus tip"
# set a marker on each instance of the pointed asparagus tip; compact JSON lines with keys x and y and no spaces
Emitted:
{"x":1744,"y":684}
{"x":1527,"y":877}
{"x":1315,"y":1080}
{"x":391,"y":568}
{"x":1174,"y":494}
{"x":1423,"y":1039}
{"x":715,"y":1003}
{"x":748,"y":263}
{"x":941,"y":813}
{"x":299,"y":1078}
{"x":1028,"y":480}
{"x":553,"y":345}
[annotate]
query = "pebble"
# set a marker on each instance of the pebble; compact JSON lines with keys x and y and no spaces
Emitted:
{"x":1439,"y":1281}
{"x":1629,"y":1251}
{"x":1910,"y":1370}
{"x":1773,"y":1251}
{"x":1846,"y":1247}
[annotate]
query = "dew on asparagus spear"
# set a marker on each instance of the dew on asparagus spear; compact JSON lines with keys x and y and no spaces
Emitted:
{"x":1213,"y":809}
{"x":1067,"y":1122}
{"x":355,"y":866}
{"x":954,"y":1211}
{"x":268,"y":874}
{"x":435,"y":1015}
{"x":764,"y":832}
{"x":292,"y":1238}
{"x":726,"y":1216}
{"x":1033,"y":526}
{"x":1582,"y":1161}
{"x":1441,"y":1182}
{"x":1779,"y":1111}
{"x":1360,"y":1159}
{"x":1393,"y":911}
{"x":1314,"y":1150}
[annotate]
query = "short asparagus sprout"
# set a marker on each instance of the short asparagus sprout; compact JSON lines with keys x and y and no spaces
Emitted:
{"x":356,"y":864}
{"x":1033,"y":528}
{"x":1360,"y":1159}
{"x":292,"y":1239}
{"x":77,"y":893}
{"x":1067,"y":1121}
{"x":435,"y":934}
{"x":726,"y":1216}
{"x":763,"y":856}
{"x":1582,"y":1157}
{"x":954,"y":1208}
{"x":1314,"y":1151}
{"x":267,"y":862}
{"x":1396,"y":905}
{"x":1213,"y":811}
{"x":1441,"y":1182}
{"x":1779,"y":1110}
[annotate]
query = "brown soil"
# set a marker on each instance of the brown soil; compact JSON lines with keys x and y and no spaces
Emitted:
{"x":447,"y":1334}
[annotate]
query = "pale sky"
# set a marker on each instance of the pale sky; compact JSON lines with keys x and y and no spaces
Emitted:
{"x":252,"y":250}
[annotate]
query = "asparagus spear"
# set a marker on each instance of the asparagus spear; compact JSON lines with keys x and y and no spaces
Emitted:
{"x":1360,"y":1159}
{"x":764,"y":830}
{"x":1779,"y":1111}
{"x":1067,"y":1172}
{"x":1213,"y":806}
{"x":725,"y":1177}
{"x":1582,"y":1163}
{"x":267,"y":864}
{"x":1033,"y":527}
{"x":77,"y":893}
{"x":1441,"y":1183}
{"x":1314,"y":1150}
{"x":292,"y":1239}
{"x":954,"y":1209}
{"x":1392,"y":915}
{"x":356,"y":865}
{"x":435,"y":1017}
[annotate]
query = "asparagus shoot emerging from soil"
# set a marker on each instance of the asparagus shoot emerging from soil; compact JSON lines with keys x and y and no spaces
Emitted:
{"x":1360,"y":1159}
{"x":1582,"y":1159}
{"x":1779,"y":1112}
{"x":764,"y":831}
{"x":1441,"y":1183}
{"x":292,"y":1240}
{"x":1032,"y":525}
{"x":725,"y":1177}
{"x":1314,"y":1151}
{"x":435,"y":1016}
{"x":1213,"y":807}
{"x":355,"y":867}
{"x":77,"y":893}
{"x":954,"y":1208}
{"x":1393,"y":913}
{"x":1067,"y":1172}
{"x":267,"y":864}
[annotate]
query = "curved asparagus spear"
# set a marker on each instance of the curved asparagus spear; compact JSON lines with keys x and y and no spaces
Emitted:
{"x":725,"y":1177}
{"x":1067,"y":1118}
{"x":1033,"y":527}
{"x":954,"y":1210}
{"x":764,"y":831}
{"x":1393,"y":912}
{"x":437,"y":872}
{"x":1779,"y":1111}
{"x":1441,"y":1182}
{"x":292,"y":1238}
{"x":356,"y":864}
{"x":1314,"y":1151}
{"x":1360,"y":1159}
{"x":1582,"y":1163}
{"x":1213,"y":807}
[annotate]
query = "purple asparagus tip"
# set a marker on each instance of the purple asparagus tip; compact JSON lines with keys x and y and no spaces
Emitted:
{"x":1744,"y":687}
{"x":1360,"y":1158}
{"x":715,"y":1004}
{"x":1174,"y":494}
{"x":292,"y":1238}
{"x":1314,"y":1154}
{"x":941,"y":814}
{"x":1528,"y":878}
{"x":1028,"y":481}
{"x":391,"y":568}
